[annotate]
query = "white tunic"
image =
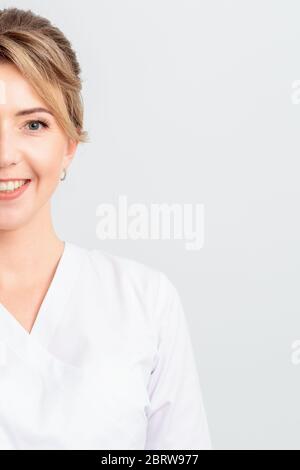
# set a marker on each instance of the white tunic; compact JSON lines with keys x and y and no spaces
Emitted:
{"x":108,"y":363}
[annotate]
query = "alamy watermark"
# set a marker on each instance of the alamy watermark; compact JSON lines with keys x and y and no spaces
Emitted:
{"x":295,"y":94}
{"x":157,"y":222}
{"x":295,"y":354}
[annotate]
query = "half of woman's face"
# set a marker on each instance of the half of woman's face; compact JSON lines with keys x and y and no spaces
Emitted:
{"x":32,"y":146}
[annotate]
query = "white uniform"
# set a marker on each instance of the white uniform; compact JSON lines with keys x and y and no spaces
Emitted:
{"x":108,"y":363}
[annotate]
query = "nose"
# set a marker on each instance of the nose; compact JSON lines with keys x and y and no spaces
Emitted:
{"x":7,"y":148}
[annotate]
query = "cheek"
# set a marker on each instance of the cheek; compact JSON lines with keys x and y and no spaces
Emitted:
{"x":45,"y":161}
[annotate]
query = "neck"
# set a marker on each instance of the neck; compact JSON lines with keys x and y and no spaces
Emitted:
{"x":27,"y":251}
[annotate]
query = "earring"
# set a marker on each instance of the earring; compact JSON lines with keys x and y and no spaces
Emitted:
{"x":65,"y":174}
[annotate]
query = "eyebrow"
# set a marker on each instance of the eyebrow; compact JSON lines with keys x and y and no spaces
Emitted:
{"x":24,"y":112}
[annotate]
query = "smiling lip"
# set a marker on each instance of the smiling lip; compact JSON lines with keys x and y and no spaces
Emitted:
{"x":7,"y":196}
{"x":14,"y":179}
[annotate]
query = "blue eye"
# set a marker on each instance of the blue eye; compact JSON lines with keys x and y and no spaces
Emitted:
{"x":43,"y":123}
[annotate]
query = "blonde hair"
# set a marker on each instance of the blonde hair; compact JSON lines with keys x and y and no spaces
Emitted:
{"x":46,"y":59}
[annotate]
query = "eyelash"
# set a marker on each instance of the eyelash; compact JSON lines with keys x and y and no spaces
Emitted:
{"x":45,"y":124}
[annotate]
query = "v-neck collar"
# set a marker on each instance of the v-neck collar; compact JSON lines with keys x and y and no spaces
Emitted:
{"x":52,"y":307}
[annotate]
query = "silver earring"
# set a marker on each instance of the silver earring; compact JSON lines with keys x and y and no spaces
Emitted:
{"x":65,"y":174}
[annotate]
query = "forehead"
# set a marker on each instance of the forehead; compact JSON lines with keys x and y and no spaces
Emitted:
{"x":15,"y":90}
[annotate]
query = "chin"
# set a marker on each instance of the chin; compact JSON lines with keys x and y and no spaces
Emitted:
{"x":12,"y":221}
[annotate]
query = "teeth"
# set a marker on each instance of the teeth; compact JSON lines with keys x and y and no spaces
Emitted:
{"x":11,"y":185}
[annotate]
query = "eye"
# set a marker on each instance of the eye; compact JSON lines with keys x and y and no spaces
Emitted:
{"x":43,"y":123}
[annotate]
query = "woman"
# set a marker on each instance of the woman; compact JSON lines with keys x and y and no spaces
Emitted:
{"x":95,"y":351}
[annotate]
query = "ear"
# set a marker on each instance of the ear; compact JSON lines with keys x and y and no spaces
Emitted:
{"x":70,"y":152}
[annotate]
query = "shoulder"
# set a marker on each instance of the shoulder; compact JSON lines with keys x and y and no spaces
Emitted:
{"x":131,"y":280}
{"x":142,"y":280}
{"x":128,"y":274}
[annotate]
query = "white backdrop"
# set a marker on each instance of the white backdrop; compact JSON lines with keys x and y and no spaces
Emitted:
{"x":196,"y":102}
